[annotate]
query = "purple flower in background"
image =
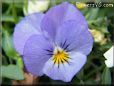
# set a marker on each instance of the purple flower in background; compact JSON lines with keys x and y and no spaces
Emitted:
{"x":55,"y":43}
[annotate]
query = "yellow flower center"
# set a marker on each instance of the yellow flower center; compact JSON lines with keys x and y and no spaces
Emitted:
{"x":60,"y":56}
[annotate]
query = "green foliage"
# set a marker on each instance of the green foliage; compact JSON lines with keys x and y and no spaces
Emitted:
{"x":8,"y":45}
{"x":12,"y":72}
{"x":20,"y":62}
{"x":106,"y":76}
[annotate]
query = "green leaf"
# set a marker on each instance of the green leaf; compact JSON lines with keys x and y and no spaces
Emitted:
{"x":10,"y":1}
{"x":91,"y":82}
{"x":106,"y":76}
{"x":80,"y":74}
{"x":92,"y":13}
{"x":8,"y":18}
{"x":20,"y":62}
{"x":8,"y":45}
{"x":12,"y":72}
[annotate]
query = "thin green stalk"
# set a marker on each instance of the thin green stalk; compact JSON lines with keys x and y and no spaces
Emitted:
{"x":14,"y":12}
{"x":9,"y":9}
{"x":5,"y":60}
{"x":10,"y":60}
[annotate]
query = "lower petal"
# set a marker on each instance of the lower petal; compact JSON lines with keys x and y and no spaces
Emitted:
{"x":66,"y":71}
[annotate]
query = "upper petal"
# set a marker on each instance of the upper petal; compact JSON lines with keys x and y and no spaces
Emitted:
{"x":28,"y":26}
{"x":66,"y":71}
{"x":72,"y":36}
{"x":36,"y":54}
{"x":59,"y":14}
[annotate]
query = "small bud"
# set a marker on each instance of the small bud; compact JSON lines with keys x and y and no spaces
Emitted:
{"x":98,"y":36}
{"x":36,"y":6}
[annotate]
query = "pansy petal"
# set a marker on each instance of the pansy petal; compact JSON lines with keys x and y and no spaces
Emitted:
{"x":72,"y":36}
{"x":28,"y":26}
{"x":66,"y":71}
{"x":36,"y":54}
{"x":59,"y":14}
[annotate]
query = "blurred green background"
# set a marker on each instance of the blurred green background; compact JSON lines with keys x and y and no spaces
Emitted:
{"x":101,"y":24}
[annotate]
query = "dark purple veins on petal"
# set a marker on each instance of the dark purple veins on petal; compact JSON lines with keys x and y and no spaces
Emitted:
{"x":65,"y":45}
